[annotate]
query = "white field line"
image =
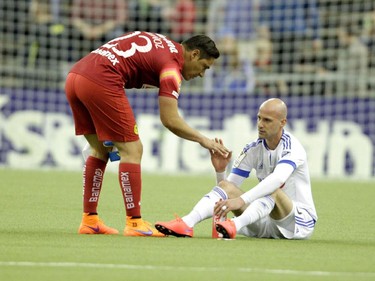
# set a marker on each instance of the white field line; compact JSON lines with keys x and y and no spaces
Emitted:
{"x":184,"y":268}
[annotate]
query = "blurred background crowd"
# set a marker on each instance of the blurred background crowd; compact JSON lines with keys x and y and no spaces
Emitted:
{"x":268,"y":47}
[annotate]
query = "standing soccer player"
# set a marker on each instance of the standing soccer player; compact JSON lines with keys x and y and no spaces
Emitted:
{"x":279,"y":206}
{"x":101,"y":112}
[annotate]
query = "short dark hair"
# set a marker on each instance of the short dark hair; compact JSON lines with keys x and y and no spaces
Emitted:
{"x":204,"y":44}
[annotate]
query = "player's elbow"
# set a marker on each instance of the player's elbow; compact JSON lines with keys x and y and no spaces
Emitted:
{"x":168,"y":123}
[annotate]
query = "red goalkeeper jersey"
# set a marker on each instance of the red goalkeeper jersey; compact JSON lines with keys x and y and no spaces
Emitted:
{"x":135,"y":60}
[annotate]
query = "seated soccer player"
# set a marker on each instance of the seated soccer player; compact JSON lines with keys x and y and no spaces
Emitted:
{"x":279,"y":206}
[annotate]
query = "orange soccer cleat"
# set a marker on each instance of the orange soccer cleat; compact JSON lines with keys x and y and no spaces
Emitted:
{"x":227,"y":229}
{"x":94,"y":225}
{"x":139,"y":227}
{"x":176,"y":227}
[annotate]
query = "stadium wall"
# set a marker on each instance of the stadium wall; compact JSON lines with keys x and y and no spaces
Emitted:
{"x":36,"y":131}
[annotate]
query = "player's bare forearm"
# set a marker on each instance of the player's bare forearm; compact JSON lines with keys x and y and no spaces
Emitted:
{"x":171,"y":119}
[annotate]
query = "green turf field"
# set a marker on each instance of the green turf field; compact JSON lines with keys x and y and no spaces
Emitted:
{"x":41,"y":211}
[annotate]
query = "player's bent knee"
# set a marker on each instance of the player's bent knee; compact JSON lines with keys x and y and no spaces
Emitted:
{"x":130,"y":152}
{"x":278,"y":195}
{"x":231,"y":190}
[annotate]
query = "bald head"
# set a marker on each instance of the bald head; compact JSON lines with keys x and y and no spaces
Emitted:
{"x":271,"y":121}
{"x":275,"y":107}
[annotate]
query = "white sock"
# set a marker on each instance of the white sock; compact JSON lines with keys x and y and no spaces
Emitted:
{"x":204,"y":209}
{"x":257,"y":209}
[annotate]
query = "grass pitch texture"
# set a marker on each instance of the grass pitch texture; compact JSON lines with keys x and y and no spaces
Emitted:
{"x":41,"y":211}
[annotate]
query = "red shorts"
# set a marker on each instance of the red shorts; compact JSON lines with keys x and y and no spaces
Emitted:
{"x":98,"y":110}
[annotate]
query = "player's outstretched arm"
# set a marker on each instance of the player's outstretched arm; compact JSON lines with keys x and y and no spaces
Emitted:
{"x":171,"y":119}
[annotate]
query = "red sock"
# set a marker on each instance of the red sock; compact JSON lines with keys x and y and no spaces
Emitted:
{"x":93,"y":173}
{"x":131,"y":186}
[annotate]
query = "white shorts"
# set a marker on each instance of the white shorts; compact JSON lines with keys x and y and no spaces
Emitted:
{"x":299,"y":224}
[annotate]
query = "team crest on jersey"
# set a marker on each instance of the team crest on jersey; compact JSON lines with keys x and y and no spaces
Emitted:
{"x":136,"y":129}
